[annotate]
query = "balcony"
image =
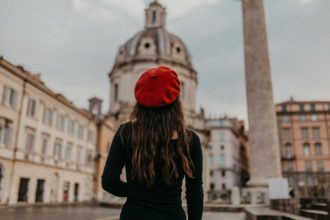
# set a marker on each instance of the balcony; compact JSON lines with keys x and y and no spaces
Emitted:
{"x":288,"y":157}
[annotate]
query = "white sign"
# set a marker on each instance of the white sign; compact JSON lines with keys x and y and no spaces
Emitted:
{"x":278,"y":188}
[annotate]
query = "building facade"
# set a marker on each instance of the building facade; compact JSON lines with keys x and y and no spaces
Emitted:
{"x":228,"y":154}
{"x":151,"y":47}
{"x":47,"y":144}
{"x":304,"y":128}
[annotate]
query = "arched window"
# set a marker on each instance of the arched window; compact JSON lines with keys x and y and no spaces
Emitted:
{"x":306,"y":149}
{"x":154,"y":17}
{"x":318,"y":149}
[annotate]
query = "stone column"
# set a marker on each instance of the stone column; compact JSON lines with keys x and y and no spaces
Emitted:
{"x":263,"y":135}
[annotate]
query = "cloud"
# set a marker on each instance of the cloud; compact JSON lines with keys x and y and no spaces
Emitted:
{"x":104,"y":10}
{"x":305,"y":2}
{"x":83,"y":36}
{"x":181,"y":8}
{"x":107,"y":11}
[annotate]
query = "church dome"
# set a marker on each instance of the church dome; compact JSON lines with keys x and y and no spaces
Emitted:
{"x":154,"y":43}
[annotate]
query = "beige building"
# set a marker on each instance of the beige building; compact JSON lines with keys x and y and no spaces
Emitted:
{"x":304,"y":128}
{"x":150,"y":47}
{"x":228,"y":156}
{"x":105,"y":131}
{"x":47,"y":144}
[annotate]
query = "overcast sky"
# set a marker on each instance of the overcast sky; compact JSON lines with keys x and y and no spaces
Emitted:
{"x":72,"y":43}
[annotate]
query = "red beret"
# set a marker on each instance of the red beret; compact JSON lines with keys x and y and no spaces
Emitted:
{"x":157,"y":87}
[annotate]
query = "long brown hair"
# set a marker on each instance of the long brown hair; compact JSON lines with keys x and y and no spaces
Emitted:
{"x":152,"y":128}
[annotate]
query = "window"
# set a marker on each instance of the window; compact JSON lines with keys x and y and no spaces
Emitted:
{"x":71,"y":126}
{"x":304,"y":133}
{"x":5,"y":132}
{"x":316,"y":133}
{"x":154,"y":16}
{"x":47,"y":116}
{"x":285,"y":118}
{"x":31,"y":108}
{"x":288,"y":150}
{"x":89,"y":159}
{"x":60,"y":123}
{"x":29,"y":141}
{"x":290,"y":166}
{"x":223,"y":173}
{"x":224,"y":186}
{"x":212,"y":186}
{"x":90,"y":137}
{"x":312,"y":106}
{"x":44,"y":146}
{"x":9,"y":97}
{"x":211,"y":173}
{"x":115,"y":93}
{"x":301,"y":107}
{"x":211,"y":162}
{"x":147,"y":45}
{"x":221,"y":136}
{"x":302,"y":117}
{"x":222,"y":160}
{"x":320,"y":166}
{"x":222,"y":147}
{"x":57,"y":153}
{"x":68,"y":152}
{"x":286,"y":133}
{"x":308,"y":166}
{"x":79,"y":149}
{"x":306,"y":149}
{"x":80,"y":131}
{"x":318,"y":149}
{"x":314,"y":117}
{"x":284,"y":109}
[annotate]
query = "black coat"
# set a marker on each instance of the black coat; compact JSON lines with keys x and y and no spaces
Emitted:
{"x":161,"y":201}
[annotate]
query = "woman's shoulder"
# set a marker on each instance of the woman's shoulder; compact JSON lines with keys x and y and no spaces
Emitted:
{"x":125,"y":126}
{"x":193,"y":136}
{"x":123,"y":131}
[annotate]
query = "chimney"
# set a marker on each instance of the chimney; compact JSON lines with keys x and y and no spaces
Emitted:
{"x":95,"y":106}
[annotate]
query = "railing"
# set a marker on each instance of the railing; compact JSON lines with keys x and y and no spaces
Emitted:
{"x":302,"y":179}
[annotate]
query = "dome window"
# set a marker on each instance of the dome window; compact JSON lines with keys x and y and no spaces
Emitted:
{"x":178,"y":49}
{"x":147,"y":45}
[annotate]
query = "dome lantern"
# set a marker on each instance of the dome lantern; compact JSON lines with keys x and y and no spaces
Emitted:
{"x":155,"y":15}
